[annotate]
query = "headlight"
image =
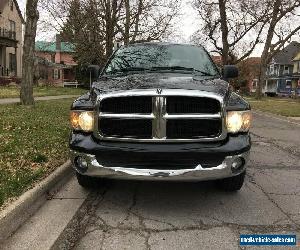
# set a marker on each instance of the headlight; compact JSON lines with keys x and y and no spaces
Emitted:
{"x":82,"y":120}
{"x":238,"y":121}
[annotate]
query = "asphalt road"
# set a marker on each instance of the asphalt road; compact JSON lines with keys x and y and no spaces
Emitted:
{"x":152,"y":215}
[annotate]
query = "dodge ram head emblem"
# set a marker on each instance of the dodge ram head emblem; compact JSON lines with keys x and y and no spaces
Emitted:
{"x":158,"y":91}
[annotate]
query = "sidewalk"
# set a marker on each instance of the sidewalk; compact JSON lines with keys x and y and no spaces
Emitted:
{"x":41,"y":98}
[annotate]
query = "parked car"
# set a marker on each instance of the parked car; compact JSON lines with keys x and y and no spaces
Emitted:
{"x":161,"y":111}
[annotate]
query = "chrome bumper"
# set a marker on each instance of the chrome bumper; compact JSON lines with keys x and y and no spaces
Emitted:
{"x":224,"y":170}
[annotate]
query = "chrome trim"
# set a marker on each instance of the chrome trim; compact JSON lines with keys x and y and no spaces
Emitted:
{"x":193,"y":116}
{"x":160,"y":112}
{"x":126,"y":116}
{"x":198,"y":173}
{"x":159,"y":123}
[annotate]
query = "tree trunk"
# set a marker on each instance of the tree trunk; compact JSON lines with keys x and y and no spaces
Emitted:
{"x":108,"y":30}
{"x":224,"y":30}
{"x":127,"y":22}
{"x":266,"y":57}
{"x":137,"y":21}
{"x":32,"y":16}
{"x":262,"y":79}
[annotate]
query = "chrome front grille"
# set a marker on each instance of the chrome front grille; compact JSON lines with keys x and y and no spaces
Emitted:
{"x":166,"y":116}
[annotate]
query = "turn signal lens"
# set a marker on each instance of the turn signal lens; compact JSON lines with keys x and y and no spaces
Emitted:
{"x":247,"y":118}
{"x":238,"y":121}
{"x":82,"y":120}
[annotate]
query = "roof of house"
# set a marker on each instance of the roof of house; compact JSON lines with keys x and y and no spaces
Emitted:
{"x":286,"y":55}
{"x":3,"y":3}
{"x":51,"y":47}
{"x":252,"y":60}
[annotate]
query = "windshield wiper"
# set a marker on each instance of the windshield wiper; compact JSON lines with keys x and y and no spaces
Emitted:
{"x":204,"y":73}
{"x":126,"y":70}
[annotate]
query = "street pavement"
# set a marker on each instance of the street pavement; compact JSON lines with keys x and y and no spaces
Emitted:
{"x":157,"y":215}
{"x":168,"y":215}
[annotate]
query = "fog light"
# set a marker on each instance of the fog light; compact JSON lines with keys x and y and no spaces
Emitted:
{"x":81,"y":164}
{"x":237,"y":164}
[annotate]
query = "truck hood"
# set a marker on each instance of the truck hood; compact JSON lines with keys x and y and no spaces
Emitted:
{"x":160,"y":80}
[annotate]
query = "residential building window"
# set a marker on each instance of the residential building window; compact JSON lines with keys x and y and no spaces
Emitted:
{"x":12,"y":30}
{"x":53,"y":58}
{"x":56,"y":74}
{"x":272,"y":69}
{"x":286,"y":70}
{"x":254,"y":83}
{"x":12,"y":63}
{"x":288,"y":84}
{"x":276,"y":70}
{"x":12,"y":26}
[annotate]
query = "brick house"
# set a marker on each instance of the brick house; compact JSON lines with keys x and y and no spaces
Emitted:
{"x":55,"y":63}
{"x":11,"y":23}
{"x":249,"y":71}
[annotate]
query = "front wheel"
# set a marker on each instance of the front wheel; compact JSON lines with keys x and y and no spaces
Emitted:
{"x":88,"y":181}
{"x":234,"y":183}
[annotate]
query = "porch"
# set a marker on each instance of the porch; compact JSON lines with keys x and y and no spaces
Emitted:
{"x":8,"y":53}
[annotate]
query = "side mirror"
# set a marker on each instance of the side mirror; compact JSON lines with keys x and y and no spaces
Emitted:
{"x":94,"y":71}
{"x":230,"y":71}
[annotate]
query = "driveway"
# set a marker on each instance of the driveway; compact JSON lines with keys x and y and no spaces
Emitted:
{"x":157,"y":215}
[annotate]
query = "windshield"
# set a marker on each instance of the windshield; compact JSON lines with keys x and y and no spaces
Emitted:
{"x":157,"y":57}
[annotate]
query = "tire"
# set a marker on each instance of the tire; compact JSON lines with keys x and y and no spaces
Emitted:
{"x":88,"y":181}
{"x":234,"y":183}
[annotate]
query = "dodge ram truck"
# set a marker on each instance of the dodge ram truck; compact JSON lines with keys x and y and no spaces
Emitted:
{"x":161,"y":111}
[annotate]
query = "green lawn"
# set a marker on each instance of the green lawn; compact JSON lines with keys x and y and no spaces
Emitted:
{"x":281,"y":106}
{"x":34,"y":141}
{"x":11,"y":92}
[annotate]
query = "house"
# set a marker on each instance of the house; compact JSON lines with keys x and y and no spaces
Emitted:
{"x":249,"y":70}
{"x":11,"y":22}
{"x":296,"y":73}
{"x":279,"y":75}
{"x":55,"y":63}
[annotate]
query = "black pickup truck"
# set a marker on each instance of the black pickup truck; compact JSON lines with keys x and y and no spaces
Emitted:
{"x":161,"y":111}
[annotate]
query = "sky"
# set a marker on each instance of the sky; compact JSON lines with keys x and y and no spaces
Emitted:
{"x":185,"y":26}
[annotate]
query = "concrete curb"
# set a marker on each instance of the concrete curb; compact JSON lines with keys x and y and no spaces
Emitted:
{"x":12,"y":217}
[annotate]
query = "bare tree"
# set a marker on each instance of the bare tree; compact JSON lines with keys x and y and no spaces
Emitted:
{"x":281,"y":12}
{"x":32,"y":16}
{"x":103,"y":22}
{"x":232,"y":27}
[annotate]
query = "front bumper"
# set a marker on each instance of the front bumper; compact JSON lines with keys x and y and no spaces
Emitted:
{"x":96,"y":153}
